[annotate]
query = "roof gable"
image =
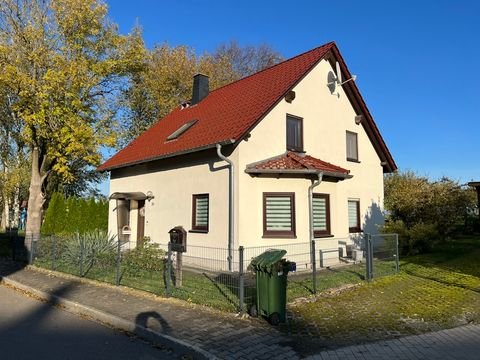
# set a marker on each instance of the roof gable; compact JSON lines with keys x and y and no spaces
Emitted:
{"x":224,"y":116}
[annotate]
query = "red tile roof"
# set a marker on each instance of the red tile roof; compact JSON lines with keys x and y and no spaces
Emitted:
{"x":224,"y":116}
{"x":293,"y":162}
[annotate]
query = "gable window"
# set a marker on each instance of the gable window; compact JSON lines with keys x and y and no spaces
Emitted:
{"x":321,"y":215}
{"x":200,"y":206}
{"x":294,"y":133}
{"x":352,"y":146}
{"x":279,"y":215}
{"x":354,"y":216}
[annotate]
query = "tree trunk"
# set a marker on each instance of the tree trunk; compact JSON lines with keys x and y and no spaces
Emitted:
{"x":3,"y":218}
{"x":5,"y":221}
{"x":36,"y":199}
{"x":16,"y":208}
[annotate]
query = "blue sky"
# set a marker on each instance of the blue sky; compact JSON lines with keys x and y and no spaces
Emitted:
{"x":417,"y":62}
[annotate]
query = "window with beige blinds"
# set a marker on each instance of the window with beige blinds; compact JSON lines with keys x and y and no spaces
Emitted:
{"x":279,"y":215}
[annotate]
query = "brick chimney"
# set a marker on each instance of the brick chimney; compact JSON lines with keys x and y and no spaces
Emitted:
{"x":200,"y":88}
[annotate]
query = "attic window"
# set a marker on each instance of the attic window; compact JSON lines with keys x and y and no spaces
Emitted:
{"x":181,"y":130}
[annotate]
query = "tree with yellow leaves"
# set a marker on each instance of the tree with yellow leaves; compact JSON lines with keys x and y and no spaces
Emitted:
{"x":62,"y":62}
{"x":166,"y":80}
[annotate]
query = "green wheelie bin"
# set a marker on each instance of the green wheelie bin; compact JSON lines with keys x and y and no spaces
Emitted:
{"x":271,"y":275}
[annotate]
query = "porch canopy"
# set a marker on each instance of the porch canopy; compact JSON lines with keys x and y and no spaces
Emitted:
{"x":128,"y":196}
{"x":292,"y":163}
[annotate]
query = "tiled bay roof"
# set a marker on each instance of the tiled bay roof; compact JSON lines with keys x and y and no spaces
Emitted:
{"x":292,"y":162}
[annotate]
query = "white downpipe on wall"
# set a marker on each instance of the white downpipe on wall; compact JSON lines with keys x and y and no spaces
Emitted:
{"x":310,"y":208}
{"x":230,"y":206}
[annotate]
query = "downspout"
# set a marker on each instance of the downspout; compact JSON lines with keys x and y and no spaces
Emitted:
{"x":310,"y":207}
{"x":230,"y":205}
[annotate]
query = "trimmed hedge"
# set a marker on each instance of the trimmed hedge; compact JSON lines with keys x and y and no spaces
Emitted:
{"x":75,"y":215}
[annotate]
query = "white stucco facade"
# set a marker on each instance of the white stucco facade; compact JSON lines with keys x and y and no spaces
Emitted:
{"x":326,"y":119}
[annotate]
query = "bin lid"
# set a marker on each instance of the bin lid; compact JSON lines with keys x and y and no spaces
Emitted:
{"x":266,"y":260}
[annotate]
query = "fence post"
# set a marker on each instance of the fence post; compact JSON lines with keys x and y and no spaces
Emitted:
{"x":397,"y":255}
{"x":54,"y":251}
{"x":30,"y":253}
{"x":119,"y":254}
{"x":82,"y":255}
{"x":169,"y":268}
{"x":321,"y":258}
{"x":369,"y":262}
{"x":314,"y":265}
{"x":241,"y":280}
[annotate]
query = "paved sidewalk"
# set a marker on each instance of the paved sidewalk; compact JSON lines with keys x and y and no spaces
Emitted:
{"x":462,"y":343}
{"x":189,"y":329}
{"x":195,"y":331}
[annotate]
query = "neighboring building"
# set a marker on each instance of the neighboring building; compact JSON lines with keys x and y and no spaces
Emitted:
{"x":283,"y":129}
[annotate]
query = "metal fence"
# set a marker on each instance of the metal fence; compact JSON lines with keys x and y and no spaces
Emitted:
{"x":382,"y":257}
{"x":201,"y":274}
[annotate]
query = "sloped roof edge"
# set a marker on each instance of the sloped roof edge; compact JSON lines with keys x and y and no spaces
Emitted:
{"x":101,"y":168}
{"x":329,"y":52}
{"x":361,"y":107}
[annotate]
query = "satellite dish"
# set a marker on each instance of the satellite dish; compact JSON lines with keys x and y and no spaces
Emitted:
{"x":334,"y":80}
{"x":339,"y":73}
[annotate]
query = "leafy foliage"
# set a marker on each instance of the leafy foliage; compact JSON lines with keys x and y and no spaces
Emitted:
{"x":149,"y":257}
{"x":85,"y":250}
{"x":166,"y":79}
{"x":424,"y":212}
{"x":62,"y":64}
{"x":75,"y":215}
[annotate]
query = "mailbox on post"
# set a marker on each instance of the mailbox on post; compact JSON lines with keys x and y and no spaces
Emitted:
{"x":178,"y":239}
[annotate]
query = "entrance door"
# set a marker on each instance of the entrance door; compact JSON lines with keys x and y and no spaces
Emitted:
{"x":141,"y":223}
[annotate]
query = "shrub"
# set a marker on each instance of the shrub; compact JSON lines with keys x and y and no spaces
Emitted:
{"x":149,"y":257}
{"x":425,"y":212}
{"x":419,"y":238}
{"x":85,"y":250}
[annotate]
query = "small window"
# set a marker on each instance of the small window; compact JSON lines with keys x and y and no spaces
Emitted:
{"x":181,"y":130}
{"x":352,"y":146}
{"x":294,"y":133}
{"x":321,"y":215}
{"x":354,"y":216}
{"x":200,"y":213}
{"x":279,"y":215}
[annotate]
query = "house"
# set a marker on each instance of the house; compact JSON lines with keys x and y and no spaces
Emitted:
{"x":283,"y":156}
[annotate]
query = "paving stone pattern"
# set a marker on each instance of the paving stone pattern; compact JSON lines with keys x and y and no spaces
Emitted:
{"x":461,"y":343}
{"x":221,"y":334}
{"x":227,"y":336}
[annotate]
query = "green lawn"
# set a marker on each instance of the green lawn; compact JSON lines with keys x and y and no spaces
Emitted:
{"x":432,"y":287}
{"x":218,"y":290}
{"x":433,"y":291}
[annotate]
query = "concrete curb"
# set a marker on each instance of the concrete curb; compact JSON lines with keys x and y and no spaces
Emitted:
{"x":116,"y":322}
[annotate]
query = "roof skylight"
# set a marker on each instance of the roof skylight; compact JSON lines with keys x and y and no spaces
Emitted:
{"x":176,"y":134}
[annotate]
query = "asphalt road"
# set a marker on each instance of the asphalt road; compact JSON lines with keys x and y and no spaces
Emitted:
{"x":30,"y":329}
